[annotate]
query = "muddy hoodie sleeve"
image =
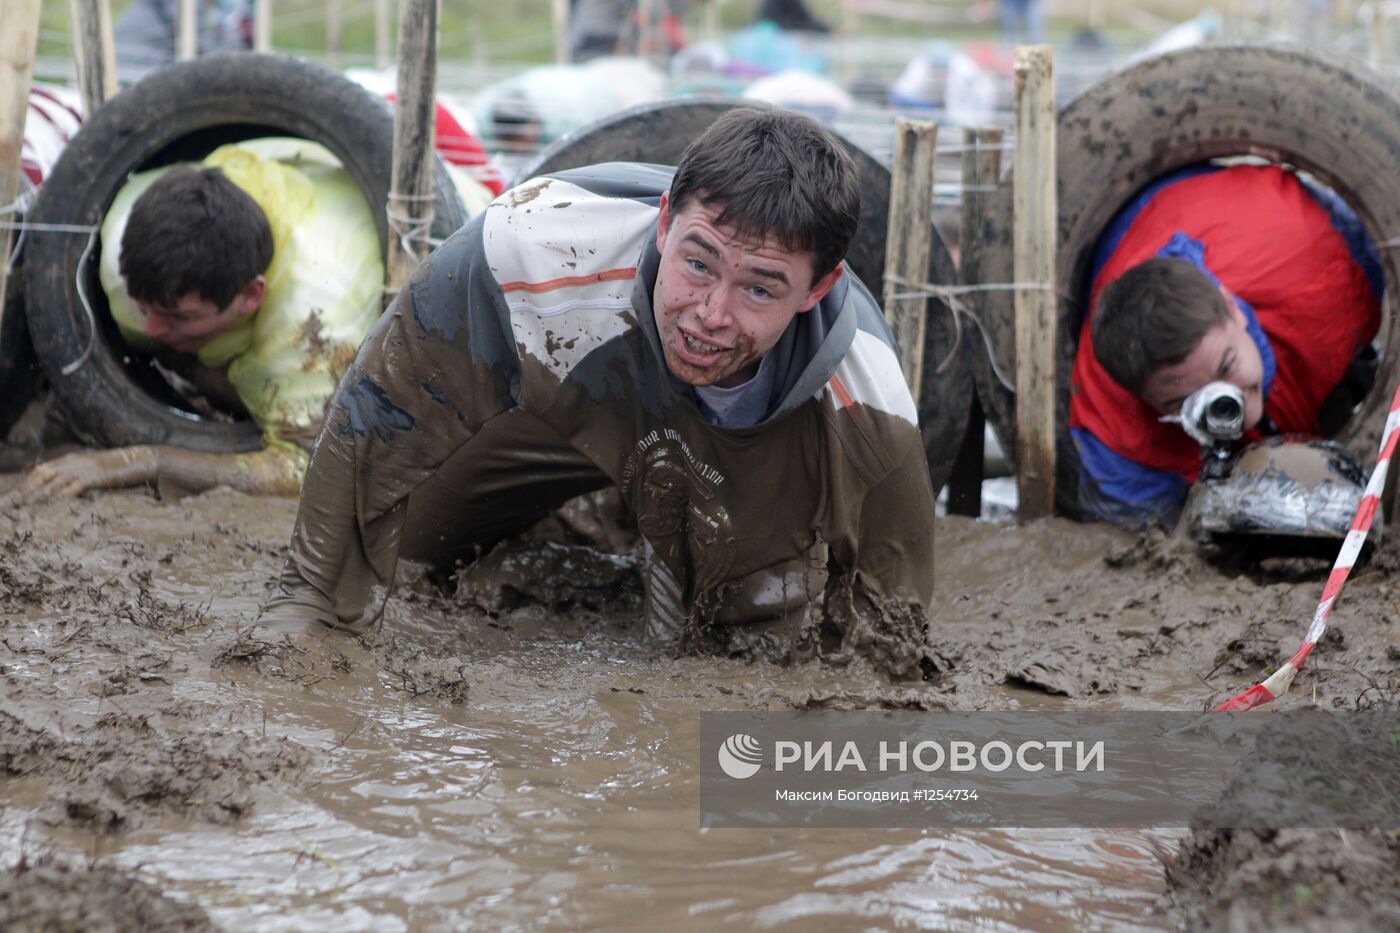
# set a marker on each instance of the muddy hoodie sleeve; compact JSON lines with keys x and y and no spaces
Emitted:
{"x":886,"y":556}
{"x":896,"y":532}
{"x":439,"y":364}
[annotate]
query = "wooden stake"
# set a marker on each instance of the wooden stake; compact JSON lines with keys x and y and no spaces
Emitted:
{"x":410,"y":206}
{"x":262,"y":25}
{"x":383,"y":33}
{"x":908,"y":241}
{"x":335,"y":30}
{"x":187,"y":36}
{"x":478,"y":33}
{"x":845,"y":37}
{"x":1095,"y":17}
{"x":981,"y":169}
{"x":1378,"y":34}
{"x":560,"y":11}
{"x":19,"y":40}
{"x":1033,"y":243}
{"x":94,"y":53}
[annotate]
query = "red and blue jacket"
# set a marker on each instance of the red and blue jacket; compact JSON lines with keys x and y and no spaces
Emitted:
{"x":1305,"y":275}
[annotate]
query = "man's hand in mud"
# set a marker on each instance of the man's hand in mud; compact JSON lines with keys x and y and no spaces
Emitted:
{"x":74,"y":474}
{"x":304,"y":619}
{"x":299,"y":631}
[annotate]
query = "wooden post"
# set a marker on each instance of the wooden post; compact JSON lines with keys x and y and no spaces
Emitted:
{"x":478,"y":33}
{"x":94,"y":53}
{"x":1033,"y":244}
{"x":981,"y":169}
{"x":709,"y":31}
{"x":560,"y":11}
{"x":187,"y":31}
{"x":19,"y":41}
{"x":383,"y":34}
{"x":262,"y":25}
{"x":410,"y":202}
{"x":1096,"y":17}
{"x":335,"y":29}
{"x":909,"y":240}
{"x":1378,"y":34}
{"x":845,"y":38}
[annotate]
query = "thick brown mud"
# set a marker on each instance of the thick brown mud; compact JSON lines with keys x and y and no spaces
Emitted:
{"x":512,"y":753}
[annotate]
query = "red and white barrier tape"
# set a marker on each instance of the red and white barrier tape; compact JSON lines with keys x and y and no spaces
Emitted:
{"x":1278,"y":683}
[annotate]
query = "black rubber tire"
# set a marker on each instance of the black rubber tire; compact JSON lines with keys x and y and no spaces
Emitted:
{"x":1324,"y":113}
{"x":659,"y":133}
{"x":183,"y":111}
{"x":20,"y":376}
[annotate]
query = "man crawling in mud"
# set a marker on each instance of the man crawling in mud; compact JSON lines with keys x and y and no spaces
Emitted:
{"x":1250,"y":274}
{"x":691,"y":339}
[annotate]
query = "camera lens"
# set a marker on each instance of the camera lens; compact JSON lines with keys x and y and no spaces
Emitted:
{"x":1224,"y":408}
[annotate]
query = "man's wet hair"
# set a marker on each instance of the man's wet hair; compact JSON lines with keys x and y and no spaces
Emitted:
{"x":774,"y":174}
{"x":1153,"y":316}
{"x":193,"y":230}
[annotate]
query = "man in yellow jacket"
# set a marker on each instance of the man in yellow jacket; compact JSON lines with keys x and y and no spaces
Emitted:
{"x":263,"y":264}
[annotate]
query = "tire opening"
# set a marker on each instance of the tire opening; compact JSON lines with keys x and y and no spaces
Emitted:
{"x":173,"y":381}
{"x":117,"y":396}
{"x":1338,"y":122}
{"x":1346,"y":399}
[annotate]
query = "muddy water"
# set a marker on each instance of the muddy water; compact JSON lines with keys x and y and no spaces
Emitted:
{"x":540,"y":768}
{"x":561,"y":797}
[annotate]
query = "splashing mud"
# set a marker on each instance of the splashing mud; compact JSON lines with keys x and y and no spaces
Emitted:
{"x":509,"y":752}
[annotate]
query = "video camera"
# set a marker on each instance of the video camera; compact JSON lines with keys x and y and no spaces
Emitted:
{"x":1214,"y":416}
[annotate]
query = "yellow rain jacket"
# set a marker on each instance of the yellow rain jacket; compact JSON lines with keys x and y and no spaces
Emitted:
{"x":323,"y":285}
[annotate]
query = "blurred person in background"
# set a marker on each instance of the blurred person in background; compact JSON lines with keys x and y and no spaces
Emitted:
{"x":144,"y":33}
{"x":1022,"y":21}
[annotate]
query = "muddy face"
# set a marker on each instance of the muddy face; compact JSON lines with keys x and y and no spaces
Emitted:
{"x":721,"y":302}
{"x":194,"y":321}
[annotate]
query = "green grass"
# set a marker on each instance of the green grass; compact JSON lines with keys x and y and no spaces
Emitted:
{"x":520,"y":30}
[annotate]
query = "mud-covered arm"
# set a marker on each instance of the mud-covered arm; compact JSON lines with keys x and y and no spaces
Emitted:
{"x":438,"y":364}
{"x":174,"y":471}
{"x":881,"y":609}
{"x":895,"y":550}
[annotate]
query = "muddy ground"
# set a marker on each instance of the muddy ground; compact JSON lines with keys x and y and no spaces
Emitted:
{"x":513,"y":756}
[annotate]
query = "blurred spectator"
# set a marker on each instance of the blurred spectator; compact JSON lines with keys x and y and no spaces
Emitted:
{"x":791,"y":15}
{"x":144,"y":33}
{"x":964,"y":83}
{"x":615,"y":27}
{"x":764,"y":48}
{"x":537,"y":106}
{"x":55,"y":113}
{"x":1022,"y":21}
{"x":456,"y":139}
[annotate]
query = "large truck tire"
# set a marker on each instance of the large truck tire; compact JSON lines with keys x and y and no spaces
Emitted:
{"x":117,"y":396}
{"x":1324,"y":113}
{"x":659,"y":132}
{"x":20,"y":376}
